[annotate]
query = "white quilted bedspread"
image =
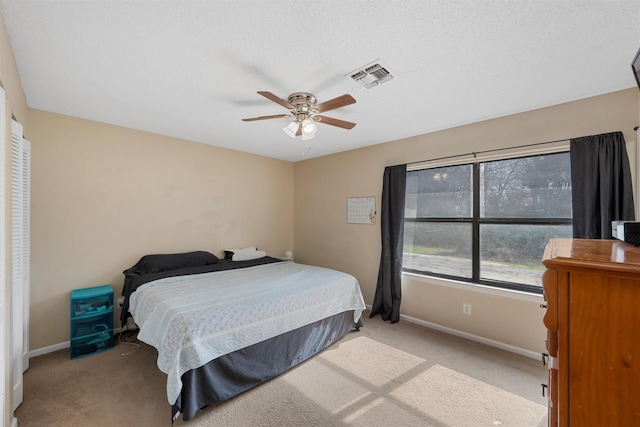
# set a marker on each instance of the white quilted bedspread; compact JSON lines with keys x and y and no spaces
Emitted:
{"x":194,"y":319}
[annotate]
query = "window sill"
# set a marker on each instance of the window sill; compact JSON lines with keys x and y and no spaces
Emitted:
{"x":474,"y":287}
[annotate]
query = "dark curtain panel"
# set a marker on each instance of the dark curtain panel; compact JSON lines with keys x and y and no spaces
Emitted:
{"x":388,"y":292}
{"x":601,"y":182}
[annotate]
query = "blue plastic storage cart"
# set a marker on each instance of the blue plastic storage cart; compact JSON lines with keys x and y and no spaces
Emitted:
{"x":91,"y":321}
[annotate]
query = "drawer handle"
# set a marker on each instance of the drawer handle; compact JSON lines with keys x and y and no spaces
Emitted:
{"x":544,"y":358}
{"x":544,"y":390}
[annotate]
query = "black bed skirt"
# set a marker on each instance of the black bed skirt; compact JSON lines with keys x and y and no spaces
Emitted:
{"x":236,"y":372}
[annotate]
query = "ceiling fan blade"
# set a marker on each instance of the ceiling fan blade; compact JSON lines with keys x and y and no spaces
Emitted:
{"x":277,"y":116}
{"x":277,"y":100}
{"x":332,"y":104}
{"x":334,"y":122}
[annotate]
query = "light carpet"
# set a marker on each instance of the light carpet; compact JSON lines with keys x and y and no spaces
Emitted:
{"x":385,"y":375}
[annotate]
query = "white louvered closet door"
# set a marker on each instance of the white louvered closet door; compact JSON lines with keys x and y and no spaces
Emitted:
{"x":26,"y":248}
{"x":3,"y":278}
{"x":20,"y":199}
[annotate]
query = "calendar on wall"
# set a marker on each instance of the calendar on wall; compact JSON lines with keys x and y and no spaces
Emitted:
{"x":361,"y":210}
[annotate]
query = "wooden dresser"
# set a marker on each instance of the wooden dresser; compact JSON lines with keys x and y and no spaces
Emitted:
{"x":592,"y":293}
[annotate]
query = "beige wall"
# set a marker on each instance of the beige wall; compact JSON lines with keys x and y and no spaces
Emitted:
{"x":16,"y":100}
{"x":103,"y":196}
{"x":323,"y":237}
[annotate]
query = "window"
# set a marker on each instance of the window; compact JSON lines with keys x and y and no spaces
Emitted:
{"x":487,"y":222}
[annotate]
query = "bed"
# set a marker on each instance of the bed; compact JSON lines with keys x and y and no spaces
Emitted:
{"x":223,"y":326}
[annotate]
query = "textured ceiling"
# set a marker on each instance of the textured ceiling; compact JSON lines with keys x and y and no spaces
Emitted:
{"x":191,"y":69}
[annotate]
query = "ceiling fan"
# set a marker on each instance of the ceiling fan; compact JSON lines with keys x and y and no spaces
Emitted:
{"x":305,"y":111}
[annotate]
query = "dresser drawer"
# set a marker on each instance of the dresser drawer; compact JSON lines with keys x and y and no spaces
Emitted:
{"x":92,"y":344}
{"x":92,"y":325}
{"x":552,"y":343}
{"x":550,"y":292}
{"x":90,"y":306}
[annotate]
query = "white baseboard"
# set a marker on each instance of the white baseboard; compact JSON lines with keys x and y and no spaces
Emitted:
{"x":476,"y":338}
{"x":59,"y":346}
{"x":472,"y":337}
{"x":435,"y":326}
{"x":14,"y":422}
{"x":49,"y":349}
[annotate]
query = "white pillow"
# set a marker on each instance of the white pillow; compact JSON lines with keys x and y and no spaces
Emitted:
{"x":243,"y":254}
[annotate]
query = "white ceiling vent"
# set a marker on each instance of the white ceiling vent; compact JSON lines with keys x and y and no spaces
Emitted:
{"x":372,"y":74}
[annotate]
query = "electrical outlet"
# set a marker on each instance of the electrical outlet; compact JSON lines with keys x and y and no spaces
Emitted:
{"x":466,"y":309}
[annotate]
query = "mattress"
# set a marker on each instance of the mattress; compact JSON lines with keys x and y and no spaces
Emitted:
{"x":194,"y":319}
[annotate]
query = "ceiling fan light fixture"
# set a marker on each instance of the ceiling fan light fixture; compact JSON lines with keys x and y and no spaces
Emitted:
{"x":309,"y":128}
{"x":305,"y":110}
{"x":291,"y":129}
